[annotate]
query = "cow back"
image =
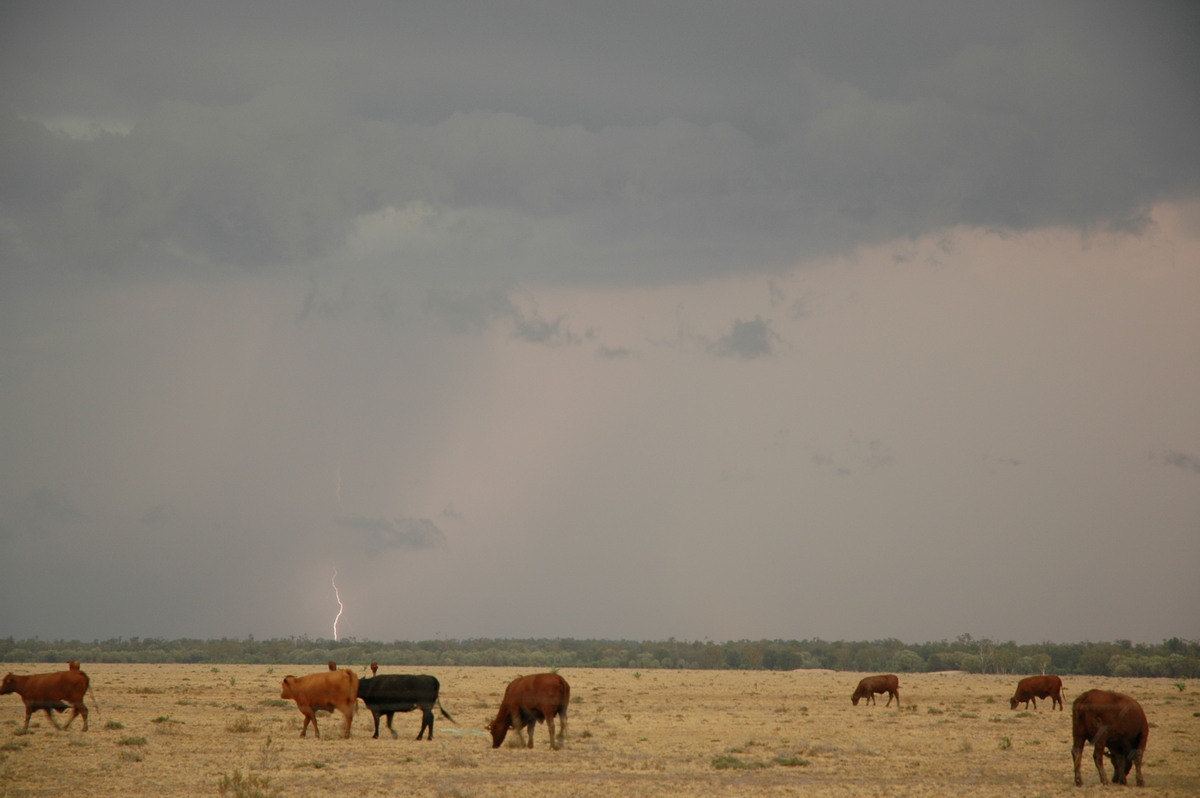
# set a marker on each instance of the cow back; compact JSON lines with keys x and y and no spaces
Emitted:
{"x":1121,"y":715}
{"x":399,"y":692}
{"x":69,"y":685}
{"x":330,"y":688}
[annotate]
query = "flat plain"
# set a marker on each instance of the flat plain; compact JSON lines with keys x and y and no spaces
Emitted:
{"x":183,"y":730}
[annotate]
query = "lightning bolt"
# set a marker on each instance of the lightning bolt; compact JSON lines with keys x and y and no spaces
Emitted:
{"x":341,"y":606}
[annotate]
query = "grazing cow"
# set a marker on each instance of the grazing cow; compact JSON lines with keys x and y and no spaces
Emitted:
{"x":530,"y":699}
{"x":392,"y":693}
{"x":1031,"y":688}
{"x":374,"y":668}
{"x":328,"y":690}
{"x":51,"y":692}
{"x":1113,"y":721}
{"x":332,"y":665}
{"x":870,"y":685}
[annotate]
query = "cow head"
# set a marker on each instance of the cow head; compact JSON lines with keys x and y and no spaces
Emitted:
{"x":9,"y":685}
{"x":288,"y":682}
{"x":1012,"y":702}
{"x":499,"y":730}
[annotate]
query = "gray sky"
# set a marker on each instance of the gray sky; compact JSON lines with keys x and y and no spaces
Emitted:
{"x":705,"y":320}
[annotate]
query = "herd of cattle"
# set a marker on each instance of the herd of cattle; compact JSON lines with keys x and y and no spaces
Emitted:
{"x":1110,"y":721}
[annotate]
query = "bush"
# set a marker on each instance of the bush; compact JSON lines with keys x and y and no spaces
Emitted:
{"x":248,"y":786}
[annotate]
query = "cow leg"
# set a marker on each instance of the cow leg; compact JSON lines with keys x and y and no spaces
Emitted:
{"x":390,"y":716}
{"x":519,"y":727}
{"x":310,"y":718}
{"x":1120,"y":768}
{"x":78,"y":709}
{"x":562,"y":726}
{"x":1138,"y":753}
{"x":49,"y":714}
{"x":426,"y":722}
{"x":349,"y":713}
{"x":1098,"y":754}
{"x":550,"y":728}
{"x":1034,"y":700}
{"x":375,"y":715}
{"x":1077,"y":759}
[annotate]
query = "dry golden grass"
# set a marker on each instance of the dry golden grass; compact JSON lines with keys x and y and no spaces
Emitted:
{"x":180,"y":730}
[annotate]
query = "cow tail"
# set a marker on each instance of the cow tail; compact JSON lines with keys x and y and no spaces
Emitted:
{"x":445,"y":714}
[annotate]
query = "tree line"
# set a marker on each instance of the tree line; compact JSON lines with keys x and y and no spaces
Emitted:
{"x":1174,"y":658}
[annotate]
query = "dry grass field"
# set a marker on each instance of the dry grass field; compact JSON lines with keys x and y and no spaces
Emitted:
{"x":181,"y":730}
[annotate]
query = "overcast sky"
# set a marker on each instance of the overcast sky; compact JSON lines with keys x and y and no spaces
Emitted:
{"x":616,"y":319}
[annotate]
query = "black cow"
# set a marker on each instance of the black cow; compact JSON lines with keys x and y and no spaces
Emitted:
{"x":392,"y":693}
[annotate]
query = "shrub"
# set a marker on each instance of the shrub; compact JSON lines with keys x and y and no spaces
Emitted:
{"x":248,"y":786}
{"x":241,"y":726}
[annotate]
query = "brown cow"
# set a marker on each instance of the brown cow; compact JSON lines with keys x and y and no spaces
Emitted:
{"x":530,"y":699}
{"x":51,"y":692}
{"x":1031,"y":688}
{"x":327,"y":691}
{"x":1113,"y":721}
{"x":870,"y":685}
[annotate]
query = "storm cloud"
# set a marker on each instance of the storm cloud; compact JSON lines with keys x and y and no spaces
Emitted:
{"x":493,"y":302}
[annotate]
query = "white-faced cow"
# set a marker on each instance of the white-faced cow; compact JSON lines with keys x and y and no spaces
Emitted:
{"x":1031,"y":688}
{"x":870,"y":685}
{"x":529,"y":699}
{"x":52,"y":692}
{"x":327,"y":691}
{"x":392,"y":693}
{"x":1113,"y":721}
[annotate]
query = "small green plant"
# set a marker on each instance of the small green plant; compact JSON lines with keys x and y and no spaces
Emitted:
{"x":250,"y":785}
{"x":934,"y":711}
{"x":731,"y":762}
{"x":269,"y":754}
{"x":274,"y":702}
{"x":114,"y":725}
{"x":232,"y":681}
{"x":132,"y":741}
{"x":166,"y":725}
{"x":1005,"y":743}
{"x":241,"y":726}
{"x":791,"y":761}
{"x":1181,"y":686}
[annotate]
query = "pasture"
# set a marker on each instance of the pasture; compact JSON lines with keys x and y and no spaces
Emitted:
{"x":182,"y":730}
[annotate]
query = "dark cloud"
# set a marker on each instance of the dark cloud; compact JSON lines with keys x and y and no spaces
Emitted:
{"x":1180,"y":460}
{"x":532,"y":328}
{"x":713,"y":139}
{"x":378,"y":535}
{"x":41,"y":512}
{"x":747,"y":340}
